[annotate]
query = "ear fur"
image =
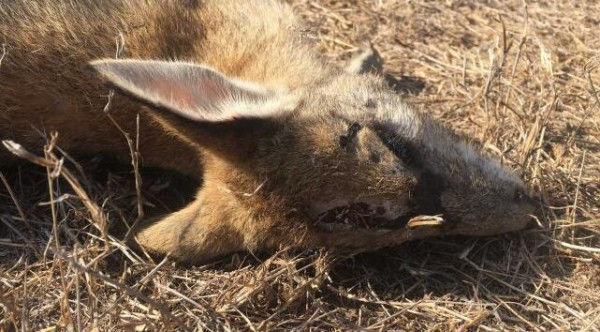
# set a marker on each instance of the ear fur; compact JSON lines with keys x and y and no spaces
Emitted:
{"x":195,"y":92}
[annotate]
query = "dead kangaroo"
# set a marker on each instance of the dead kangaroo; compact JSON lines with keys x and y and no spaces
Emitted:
{"x":231,"y":92}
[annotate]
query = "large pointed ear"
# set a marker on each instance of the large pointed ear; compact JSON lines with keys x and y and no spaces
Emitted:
{"x":193,"y":91}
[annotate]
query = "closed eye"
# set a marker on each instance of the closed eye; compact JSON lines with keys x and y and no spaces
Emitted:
{"x":346,"y":140}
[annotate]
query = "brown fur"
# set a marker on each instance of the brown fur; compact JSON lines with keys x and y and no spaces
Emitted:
{"x":262,"y":177}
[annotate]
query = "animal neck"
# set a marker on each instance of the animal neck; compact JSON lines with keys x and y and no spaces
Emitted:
{"x":271,"y":51}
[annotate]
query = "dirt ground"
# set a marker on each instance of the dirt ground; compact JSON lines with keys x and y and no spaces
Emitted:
{"x":523,"y":79}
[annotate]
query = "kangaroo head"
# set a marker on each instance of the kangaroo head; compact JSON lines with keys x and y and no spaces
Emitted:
{"x":311,"y":151}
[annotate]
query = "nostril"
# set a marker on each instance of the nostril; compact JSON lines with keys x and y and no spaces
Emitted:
{"x":520,"y":195}
{"x":535,"y":201}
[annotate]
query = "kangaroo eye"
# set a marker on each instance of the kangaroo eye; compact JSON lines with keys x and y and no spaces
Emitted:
{"x":353,"y":129}
{"x":346,"y":139}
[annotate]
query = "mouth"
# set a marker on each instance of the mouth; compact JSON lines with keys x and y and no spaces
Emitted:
{"x":354,"y":227}
{"x":360,"y":216}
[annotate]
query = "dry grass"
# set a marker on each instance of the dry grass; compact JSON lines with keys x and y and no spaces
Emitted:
{"x":523,"y":80}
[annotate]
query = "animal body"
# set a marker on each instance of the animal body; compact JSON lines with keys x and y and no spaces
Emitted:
{"x":232,"y":93}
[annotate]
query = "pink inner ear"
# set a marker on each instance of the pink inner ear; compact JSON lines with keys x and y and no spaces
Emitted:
{"x":196,"y":92}
{"x":199,"y":93}
{"x":209,"y":92}
{"x":173,"y":92}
